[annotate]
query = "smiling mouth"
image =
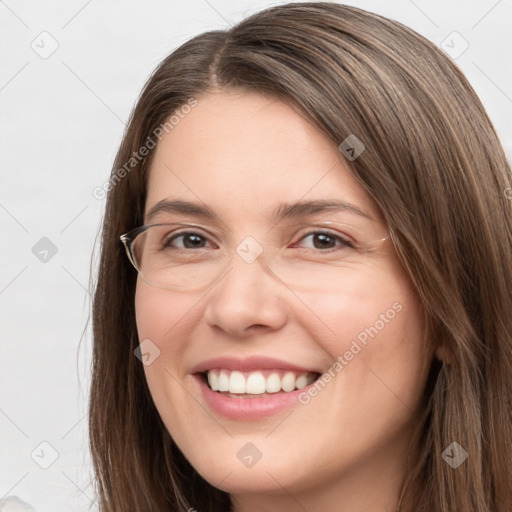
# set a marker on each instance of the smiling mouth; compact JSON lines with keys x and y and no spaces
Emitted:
{"x":256,"y":384}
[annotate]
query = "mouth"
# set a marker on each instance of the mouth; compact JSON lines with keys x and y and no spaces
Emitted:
{"x":256,"y":384}
{"x":253,"y":387}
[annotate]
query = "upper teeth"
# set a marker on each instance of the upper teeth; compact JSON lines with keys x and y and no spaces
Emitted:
{"x":258,"y":382}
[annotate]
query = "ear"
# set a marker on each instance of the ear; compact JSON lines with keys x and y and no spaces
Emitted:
{"x":443,"y":354}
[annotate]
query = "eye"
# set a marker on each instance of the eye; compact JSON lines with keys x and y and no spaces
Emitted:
{"x":189,"y":240}
{"x":325,"y":240}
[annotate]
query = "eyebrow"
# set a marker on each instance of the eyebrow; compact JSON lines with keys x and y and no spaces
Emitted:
{"x":283,"y":211}
{"x":304,"y":208}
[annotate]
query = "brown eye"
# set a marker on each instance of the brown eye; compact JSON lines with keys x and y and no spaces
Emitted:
{"x":189,"y":240}
{"x":325,"y":240}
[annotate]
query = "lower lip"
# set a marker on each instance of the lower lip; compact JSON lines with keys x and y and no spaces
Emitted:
{"x":248,"y":409}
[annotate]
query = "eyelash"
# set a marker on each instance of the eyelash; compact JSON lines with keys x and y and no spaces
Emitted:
{"x":344,"y":243}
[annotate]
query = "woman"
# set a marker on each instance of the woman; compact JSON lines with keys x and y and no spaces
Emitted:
{"x":315,"y":204}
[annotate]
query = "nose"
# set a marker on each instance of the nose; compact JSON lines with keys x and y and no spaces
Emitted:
{"x":247,"y":299}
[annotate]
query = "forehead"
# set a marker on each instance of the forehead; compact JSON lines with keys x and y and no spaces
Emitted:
{"x":244,"y":154}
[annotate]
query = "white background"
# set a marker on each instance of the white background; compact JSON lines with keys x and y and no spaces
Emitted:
{"x":62,"y":119}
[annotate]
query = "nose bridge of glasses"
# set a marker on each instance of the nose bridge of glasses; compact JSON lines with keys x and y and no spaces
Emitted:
{"x":250,"y":254}
{"x":254,"y":253}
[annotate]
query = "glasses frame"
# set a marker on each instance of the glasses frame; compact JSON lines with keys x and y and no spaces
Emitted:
{"x":129,"y":237}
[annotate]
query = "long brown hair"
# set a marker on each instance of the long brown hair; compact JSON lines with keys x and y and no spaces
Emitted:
{"x":435,"y":167}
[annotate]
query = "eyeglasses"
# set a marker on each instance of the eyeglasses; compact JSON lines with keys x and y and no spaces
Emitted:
{"x":308,"y":257}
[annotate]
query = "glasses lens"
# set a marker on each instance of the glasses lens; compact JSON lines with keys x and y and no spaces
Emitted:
{"x":176,"y":256}
{"x":186,"y":257}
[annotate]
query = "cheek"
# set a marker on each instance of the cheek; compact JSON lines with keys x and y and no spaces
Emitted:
{"x":163,"y":315}
{"x":161,"y":319}
{"x":380,"y":365}
{"x":383,"y":359}
{"x":364,"y":306}
{"x":375,"y":337}
{"x":151,"y":312}
{"x":167,"y":319}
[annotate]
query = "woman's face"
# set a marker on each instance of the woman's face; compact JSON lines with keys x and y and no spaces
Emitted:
{"x":279,"y":309}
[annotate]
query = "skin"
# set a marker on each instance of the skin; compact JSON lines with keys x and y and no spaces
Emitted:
{"x":242,"y":154}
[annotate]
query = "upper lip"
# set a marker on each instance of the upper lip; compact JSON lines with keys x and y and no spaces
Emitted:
{"x":248,"y":364}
